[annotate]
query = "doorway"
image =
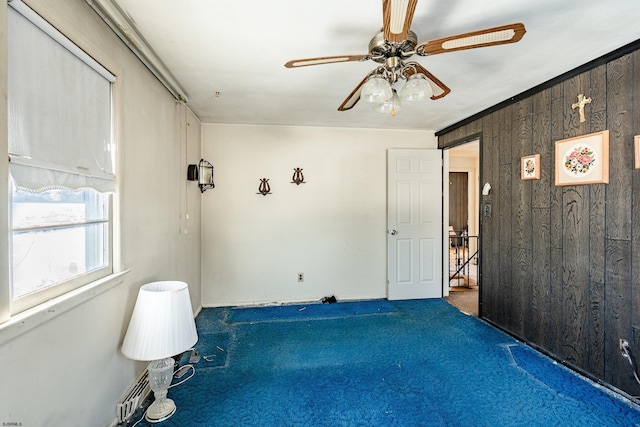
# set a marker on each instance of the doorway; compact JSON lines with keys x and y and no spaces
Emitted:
{"x":464,"y":215}
{"x":414,"y":224}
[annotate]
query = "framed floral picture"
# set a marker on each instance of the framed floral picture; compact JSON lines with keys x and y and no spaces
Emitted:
{"x":530,"y":167}
{"x":636,"y":150}
{"x":583,"y":159}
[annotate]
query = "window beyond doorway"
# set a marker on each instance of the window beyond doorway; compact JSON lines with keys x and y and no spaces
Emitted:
{"x":459,"y":201}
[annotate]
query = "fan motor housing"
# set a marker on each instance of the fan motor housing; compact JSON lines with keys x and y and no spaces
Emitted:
{"x":380,"y":49}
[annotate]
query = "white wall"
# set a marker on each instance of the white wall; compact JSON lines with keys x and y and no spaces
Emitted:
{"x":332,"y":228}
{"x":64,"y":368}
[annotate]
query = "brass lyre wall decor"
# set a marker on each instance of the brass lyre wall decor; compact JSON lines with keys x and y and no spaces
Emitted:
{"x":264,"y":188}
{"x":298,"y":177}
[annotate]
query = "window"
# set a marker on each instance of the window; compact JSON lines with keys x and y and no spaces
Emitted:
{"x":57,"y":236}
{"x":61,"y":162}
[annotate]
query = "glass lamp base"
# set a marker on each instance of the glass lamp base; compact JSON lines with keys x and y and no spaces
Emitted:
{"x":160,"y":374}
{"x":160,"y":410}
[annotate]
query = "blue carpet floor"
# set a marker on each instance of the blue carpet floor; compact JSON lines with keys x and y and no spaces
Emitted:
{"x":379,"y":363}
{"x":309,"y":311}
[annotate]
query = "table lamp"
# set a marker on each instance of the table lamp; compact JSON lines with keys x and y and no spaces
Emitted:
{"x":161,"y":326}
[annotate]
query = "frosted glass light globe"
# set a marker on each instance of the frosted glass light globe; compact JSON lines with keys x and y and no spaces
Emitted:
{"x":392,"y":106}
{"x":376,"y":89}
{"x":416,"y":88}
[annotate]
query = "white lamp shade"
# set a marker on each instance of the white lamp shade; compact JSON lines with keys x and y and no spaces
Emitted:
{"x":376,"y":89}
{"x":416,"y":88}
{"x":162,"y":323}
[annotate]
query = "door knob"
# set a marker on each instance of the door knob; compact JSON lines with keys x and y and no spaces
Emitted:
{"x":393,"y":232}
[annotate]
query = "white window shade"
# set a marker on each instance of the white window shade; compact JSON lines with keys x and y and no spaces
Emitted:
{"x":60,"y":120}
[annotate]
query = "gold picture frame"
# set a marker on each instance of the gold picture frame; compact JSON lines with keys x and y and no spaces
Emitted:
{"x":636,"y":151}
{"x":530,"y":167}
{"x":583,"y":159}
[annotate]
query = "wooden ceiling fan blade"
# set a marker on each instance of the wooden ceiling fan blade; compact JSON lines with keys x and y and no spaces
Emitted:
{"x":438,"y":89}
{"x":494,"y":36}
{"x":295,"y":63}
{"x":396,"y":19}
{"x":353,"y":98}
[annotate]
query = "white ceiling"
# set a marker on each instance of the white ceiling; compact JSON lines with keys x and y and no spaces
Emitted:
{"x":238,"y":49}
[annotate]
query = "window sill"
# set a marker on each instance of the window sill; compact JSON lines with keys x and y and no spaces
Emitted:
{"x":42,"y":313}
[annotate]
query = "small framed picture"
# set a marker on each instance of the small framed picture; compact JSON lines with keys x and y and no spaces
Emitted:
{"x":636,"y":150}
{"x":583,"y":159}
{"x":530,"y":167}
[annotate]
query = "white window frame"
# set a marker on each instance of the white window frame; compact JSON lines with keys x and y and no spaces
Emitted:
{"x":28,"y":301}
{"x":94,"y":277}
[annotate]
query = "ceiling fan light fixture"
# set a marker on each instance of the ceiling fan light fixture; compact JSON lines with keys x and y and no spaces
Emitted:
{"x":376,"y":90}
{"x":417,"y":88}
{"x":390,"y":106}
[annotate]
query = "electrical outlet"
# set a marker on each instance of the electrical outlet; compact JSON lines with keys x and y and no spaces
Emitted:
{"x":300,"y":277}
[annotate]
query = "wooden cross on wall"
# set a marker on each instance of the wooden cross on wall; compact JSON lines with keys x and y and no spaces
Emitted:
{"x":582,"y":101}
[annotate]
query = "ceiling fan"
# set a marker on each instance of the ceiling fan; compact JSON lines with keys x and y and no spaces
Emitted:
{"x":394,"y":44}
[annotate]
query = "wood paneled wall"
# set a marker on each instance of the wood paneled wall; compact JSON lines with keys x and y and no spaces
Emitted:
{"x":459,"y":201}
{"x":560,"y":266}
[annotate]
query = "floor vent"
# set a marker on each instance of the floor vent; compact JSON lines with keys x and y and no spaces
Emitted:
{"x":133,"y":397}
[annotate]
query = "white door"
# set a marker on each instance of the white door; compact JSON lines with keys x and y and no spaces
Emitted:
{"x":414,"y":223}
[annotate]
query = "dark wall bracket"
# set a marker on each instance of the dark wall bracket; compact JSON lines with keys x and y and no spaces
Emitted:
{"x":203,"y":173}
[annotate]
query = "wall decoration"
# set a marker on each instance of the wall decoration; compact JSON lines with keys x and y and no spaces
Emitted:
{"x":583,"y":159}
{"x":264,"y":188}
{"x":582,"y":101}
{"x":530,"y":167}
{"x":203,"y":173}
{"x":636,"y":150}
{"x":298,"y":177}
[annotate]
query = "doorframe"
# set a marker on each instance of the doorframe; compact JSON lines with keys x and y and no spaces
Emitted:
{"x":445,"y":209}
{"x":445,"y":223}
